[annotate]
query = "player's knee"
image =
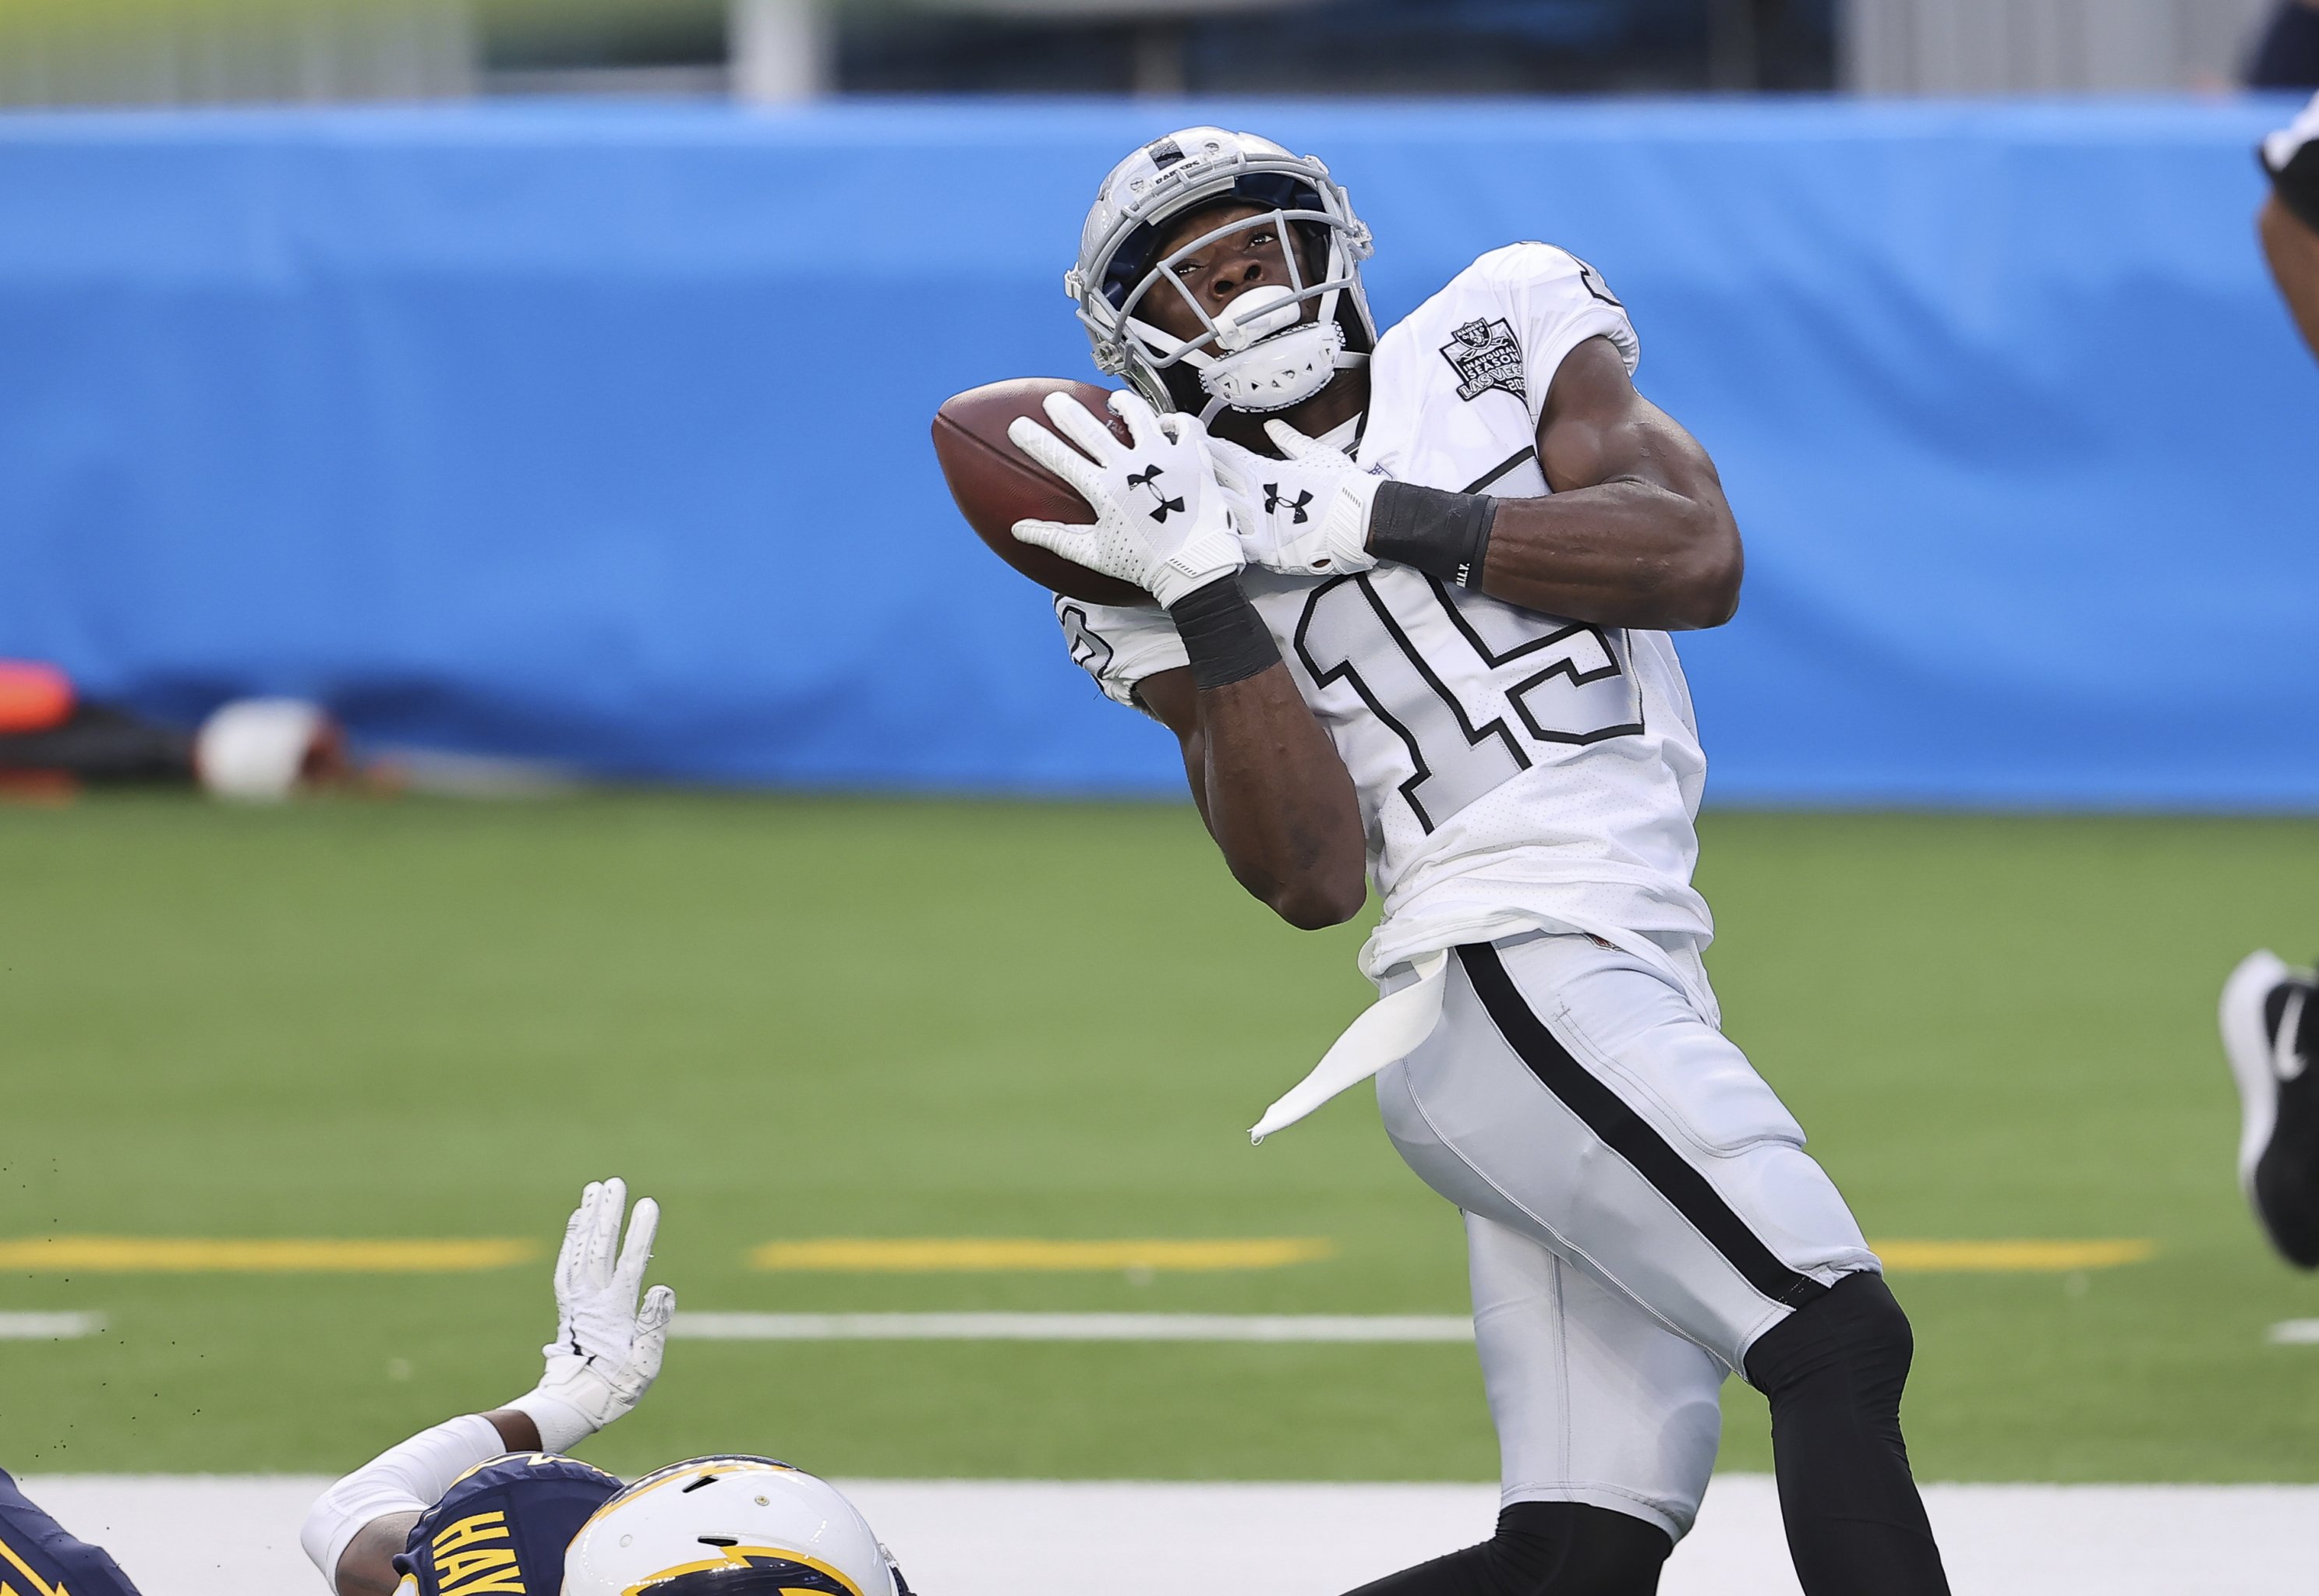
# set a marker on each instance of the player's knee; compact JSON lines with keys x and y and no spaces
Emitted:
{"x":1873,"y":1322}
{"x":1855,"y":1330}
{"x":1572,"y":1549}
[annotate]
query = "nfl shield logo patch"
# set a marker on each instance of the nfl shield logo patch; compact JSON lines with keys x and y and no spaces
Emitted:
{"x":1484,"y":355}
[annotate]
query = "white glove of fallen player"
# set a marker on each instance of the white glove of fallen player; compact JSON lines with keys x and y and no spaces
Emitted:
{"x":1307,"y":515}
{"x":608,"y":1346}
{"x":1161,"y":520}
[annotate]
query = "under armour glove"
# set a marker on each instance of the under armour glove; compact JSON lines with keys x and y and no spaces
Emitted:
{"x":1306,"y":515}
{"x":607,"y":1349}
{"x":1161,"y":520}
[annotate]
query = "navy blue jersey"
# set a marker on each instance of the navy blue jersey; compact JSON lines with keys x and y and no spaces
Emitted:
{"x":39,"y":1557}
{"x":502,"y":1528}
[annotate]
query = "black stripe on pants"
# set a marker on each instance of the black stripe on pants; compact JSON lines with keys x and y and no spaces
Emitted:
{"x":1627,"y":1134}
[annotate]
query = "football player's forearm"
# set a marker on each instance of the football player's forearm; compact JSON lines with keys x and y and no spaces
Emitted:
{"x":1628,"y":552}
{"x":1636,"y":532}
{"x":366,"y":1567}
{"x":2292,"y":248}
{"x":1280,"y":803}
{"x":1271,"y":786}
{"x":355,"y":1529}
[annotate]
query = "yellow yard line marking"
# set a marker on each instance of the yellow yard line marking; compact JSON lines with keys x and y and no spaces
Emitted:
{"x":202,"y":1254}
{"x":964,"y":1254}
{"x":2009,"y":1257}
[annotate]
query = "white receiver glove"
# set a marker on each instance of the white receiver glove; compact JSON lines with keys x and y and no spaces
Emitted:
{"x":1161,"y":520}
{"x":1307,"y":515}
{"x":608,"y":1346}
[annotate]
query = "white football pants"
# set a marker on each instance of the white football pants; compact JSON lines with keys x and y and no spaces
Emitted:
{"x":1638,"y":1209}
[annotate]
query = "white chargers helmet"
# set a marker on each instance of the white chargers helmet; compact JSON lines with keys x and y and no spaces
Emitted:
{"x":1264,"y":355}
{"x":731,"y":1526}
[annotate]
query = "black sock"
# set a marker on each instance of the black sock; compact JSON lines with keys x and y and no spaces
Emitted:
{"x":1544,"y":1548}
{"x":1834,"y":1370}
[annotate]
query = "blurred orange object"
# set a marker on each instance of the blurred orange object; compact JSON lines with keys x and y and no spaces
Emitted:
{"x":34,"y":698}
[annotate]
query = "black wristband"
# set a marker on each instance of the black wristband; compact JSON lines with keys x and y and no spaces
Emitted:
{"x":1226,"y":640}
{"x":1442,"y":533}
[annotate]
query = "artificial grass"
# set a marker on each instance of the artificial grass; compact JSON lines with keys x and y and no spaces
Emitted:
{"x":795,"y":1017}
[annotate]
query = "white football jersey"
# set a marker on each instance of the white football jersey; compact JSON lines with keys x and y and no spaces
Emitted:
{"x":1516,"y":770}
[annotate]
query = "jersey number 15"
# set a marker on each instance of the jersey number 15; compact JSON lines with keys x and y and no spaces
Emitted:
{"x":1565,"y":683}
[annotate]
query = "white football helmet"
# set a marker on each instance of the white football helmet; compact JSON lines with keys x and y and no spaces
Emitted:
{"x":733,"y":1525}
{"x":1264,"y":355}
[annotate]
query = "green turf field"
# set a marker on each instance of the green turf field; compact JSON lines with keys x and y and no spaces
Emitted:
{"x":806,"y":1019}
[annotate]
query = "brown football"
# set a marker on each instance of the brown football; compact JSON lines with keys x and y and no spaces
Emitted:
{"x":996,"y":484}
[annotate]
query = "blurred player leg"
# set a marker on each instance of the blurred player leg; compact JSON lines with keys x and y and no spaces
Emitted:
{"x":2271,"y":1032}
{"x":2271,"y":1014}
{"x":1607,"y":1427}
{"x":1577,"y":1095}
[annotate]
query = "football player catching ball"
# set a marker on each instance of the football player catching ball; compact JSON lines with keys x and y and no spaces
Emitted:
{"x":1412,"y":592}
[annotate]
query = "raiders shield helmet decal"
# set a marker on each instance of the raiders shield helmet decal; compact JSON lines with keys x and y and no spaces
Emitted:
{"x":1484,"y":355}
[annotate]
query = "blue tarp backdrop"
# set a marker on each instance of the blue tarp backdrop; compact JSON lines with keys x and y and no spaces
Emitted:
{"x":600,"y":434}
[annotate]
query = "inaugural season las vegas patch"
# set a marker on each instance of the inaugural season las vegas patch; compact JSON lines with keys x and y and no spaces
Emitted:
{"x":1484,"y":355}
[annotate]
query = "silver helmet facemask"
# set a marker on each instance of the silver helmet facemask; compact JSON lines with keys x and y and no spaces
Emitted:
{"x":1260,"y":351}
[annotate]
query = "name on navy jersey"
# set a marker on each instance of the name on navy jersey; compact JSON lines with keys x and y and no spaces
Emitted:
{"x":502,"y":1528}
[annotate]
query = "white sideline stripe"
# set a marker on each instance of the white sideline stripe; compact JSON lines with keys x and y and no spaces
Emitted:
{"x":1071,"y":1327}
{"x":2294,"y":1332}
{"x":227,"y":1536}
{"x":49,"y":1327}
